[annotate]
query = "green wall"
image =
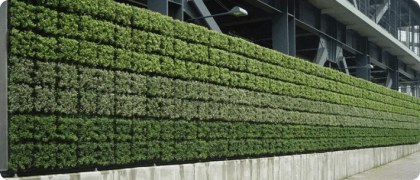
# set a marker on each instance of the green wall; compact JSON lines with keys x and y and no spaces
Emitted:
{"x":99,"y":83}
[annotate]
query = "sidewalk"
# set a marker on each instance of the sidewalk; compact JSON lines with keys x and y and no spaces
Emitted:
{"x":406,"y":168}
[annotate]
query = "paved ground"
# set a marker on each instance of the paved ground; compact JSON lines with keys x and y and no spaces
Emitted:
{"x":406,"y":168}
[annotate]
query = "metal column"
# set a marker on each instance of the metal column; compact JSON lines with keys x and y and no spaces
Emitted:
{"x":363,"y":60}
{"x":3,"y":88}
{"x":284,"y":30}
{"x":171,"y":8}
{"x":393,"y":73}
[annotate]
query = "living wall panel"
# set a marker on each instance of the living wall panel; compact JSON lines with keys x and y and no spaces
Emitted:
{"x":89,"y":88}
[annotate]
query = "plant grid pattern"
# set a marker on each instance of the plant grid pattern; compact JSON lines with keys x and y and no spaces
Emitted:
{"x":90,"y":88}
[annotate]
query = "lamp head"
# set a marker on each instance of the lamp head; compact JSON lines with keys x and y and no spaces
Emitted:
{"x":369,"y":66}
{"x":238,"y":12}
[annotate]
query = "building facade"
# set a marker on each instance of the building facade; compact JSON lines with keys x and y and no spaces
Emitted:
{"x":348,"y":35}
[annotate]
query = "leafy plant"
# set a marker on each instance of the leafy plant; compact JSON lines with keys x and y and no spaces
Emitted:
{"x":68,"y":25}
{"x":20,"y":70}
{"x":68,"y":49}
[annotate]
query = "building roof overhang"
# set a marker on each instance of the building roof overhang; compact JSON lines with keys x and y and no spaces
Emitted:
{"x":346,"y":13}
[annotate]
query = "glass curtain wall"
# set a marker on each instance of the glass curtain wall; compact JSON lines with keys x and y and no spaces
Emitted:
{"x":399,"y":17}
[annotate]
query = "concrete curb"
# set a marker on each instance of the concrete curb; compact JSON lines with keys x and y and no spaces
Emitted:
{"x":330,"y":165}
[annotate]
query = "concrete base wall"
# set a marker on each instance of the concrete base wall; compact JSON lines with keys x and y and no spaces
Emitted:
{"x":330,"y":165}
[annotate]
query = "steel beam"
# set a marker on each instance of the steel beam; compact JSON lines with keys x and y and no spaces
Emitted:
{"x":406,"y":74}
{"x":389,"y":81}
{"x":377,"y":63}
{"x":292,"y":36}
{"x":247,"y":21}
{"x":263,"y":6}
{"x":363,"y":60}
{"x":171,"y":8}
{"x":380,"y":11}
{"x":341,"y":60}
{"x":284,"y":34}
{"x":355,"y":4}
{"x":322,"y":53}
{"x":393,"y":81}
{"x":284,"y":31}
{"x":160,"y":6}
{"x":281,"y":33}
{"x":203,"y":11}
{"x":3,"y":87}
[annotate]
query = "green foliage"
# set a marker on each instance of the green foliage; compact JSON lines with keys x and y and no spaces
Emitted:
{"x":123,"y":140}
{"x":45,"y":74}
{"x":165,"y":90}
{"x":49,"y":3}
{"x":22,"y":124}
{"x":167,"y":140}
{"x":160,"y":44}
{"x":218,"y":40}
{"x":21,"y":156}
{"x":67,"y":76}
{"x":141,"y":18}
{"x":193,"y":52}
{"x":87,"y":53}
{"x":20,"y":70}
{"x":146,"y":63}
{"x":138,"y":41}
{"x":67,"y":101}
{"x":68,"y":25}
{"x":124,"y":14}
{"x":45,"y":134}
{"x":160,"y":24}
{"x":97,"y":135}
{"x":44,"y":100}
{"x":45,"y":48}
{"x":68,"y":49}
{"x":106,"y":9}
{"x":96,"y":79}
{"x":22,"y":15}
{"x":23,"y":43}
{"x":20,"y":98}
{"x":128,"y":83}
{"x":105,"y":104}
{"x":47,"y":20}
{"x":66,"y":155}
{"x":69,"y":5}
{"x":67,"y":129}
{"x":122,"y":37}
{"x":105,"y":55}
{"x":88,"y":102}
{"x":44,"y":128}
{"x":123,"y":59}
{"x":191,"y":32}
{"x":96,"y":30}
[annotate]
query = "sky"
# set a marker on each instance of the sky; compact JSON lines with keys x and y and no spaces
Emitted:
{"x":418,"y":1}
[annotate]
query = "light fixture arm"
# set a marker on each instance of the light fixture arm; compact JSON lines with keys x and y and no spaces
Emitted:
{"x":235,"y":11}
{"x":221,"y":14}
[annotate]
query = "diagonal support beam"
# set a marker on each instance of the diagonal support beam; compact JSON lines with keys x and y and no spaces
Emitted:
{"x":198,"y":5}
{"x":380,"y":11}
{"x":341,"y":60}
{"x":322,"y":53}
{"x":355,"y":4}
{"x":388,"y":81}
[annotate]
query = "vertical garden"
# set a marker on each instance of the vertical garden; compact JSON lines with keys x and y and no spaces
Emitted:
{"x":98,"y":83}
